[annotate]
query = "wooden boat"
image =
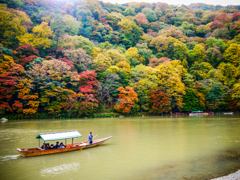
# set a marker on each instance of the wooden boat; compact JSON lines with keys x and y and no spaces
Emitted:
{"x":27,"y":152}
{"x":228,"y":113}
{"x":198,"y":113}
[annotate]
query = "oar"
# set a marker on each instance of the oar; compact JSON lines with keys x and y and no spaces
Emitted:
{"x":95,"y":136}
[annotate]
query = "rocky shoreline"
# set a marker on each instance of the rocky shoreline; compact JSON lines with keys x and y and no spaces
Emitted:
{"x":233,"y":176}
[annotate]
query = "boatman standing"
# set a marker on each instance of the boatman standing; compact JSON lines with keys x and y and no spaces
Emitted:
{"x":90,"y":137}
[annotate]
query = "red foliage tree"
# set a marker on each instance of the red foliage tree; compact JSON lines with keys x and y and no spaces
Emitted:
{"x":141,"y":19}
{"x":236,"y":16}
{"x":230,"y":103}
{"x":217,"y":25}
{"x":24,"y":60}
{"x":69,"y":63}
{"x":26,"y":50}
{"x":88,"y":86}
{"x":26,"y":54}
{"x":223,"y":18}
{"x":159,"y":101}
{"x":17,"y":106}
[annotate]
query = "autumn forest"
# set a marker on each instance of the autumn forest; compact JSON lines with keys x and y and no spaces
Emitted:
{"x":87,"y":58}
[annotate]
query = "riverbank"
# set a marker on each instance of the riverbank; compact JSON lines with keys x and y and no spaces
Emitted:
{"x":70,"y":116}
{"x":94,"y":115}
{"x":233,"y":176}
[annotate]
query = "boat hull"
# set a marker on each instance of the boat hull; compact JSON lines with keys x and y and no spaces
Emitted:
{"x":228,"y":113}
{"x":39,"y":151}
{"x":96,"y":142}
{"x":198,"y":114}
{"x":69,"y":147}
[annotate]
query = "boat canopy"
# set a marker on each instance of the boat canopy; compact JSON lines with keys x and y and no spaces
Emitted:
{"x":197,"y":111}
{"x":59,"y":135}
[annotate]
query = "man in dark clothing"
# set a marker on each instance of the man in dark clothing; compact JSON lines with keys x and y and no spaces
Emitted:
{"x":90,"y":137}
{"x":57,"y":145}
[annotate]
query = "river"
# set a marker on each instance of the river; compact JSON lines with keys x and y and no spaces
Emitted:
{"x":141,"y":148}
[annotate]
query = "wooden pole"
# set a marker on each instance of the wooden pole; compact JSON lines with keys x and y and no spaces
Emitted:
{"x":38,"y":142}
{"x":65,"y":142}
{"x":72,"y":142}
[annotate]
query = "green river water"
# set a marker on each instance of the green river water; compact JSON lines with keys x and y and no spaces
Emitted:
{"x":141,"y":148}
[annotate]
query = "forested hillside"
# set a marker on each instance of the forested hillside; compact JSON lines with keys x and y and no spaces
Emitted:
{"x":75,"y":58}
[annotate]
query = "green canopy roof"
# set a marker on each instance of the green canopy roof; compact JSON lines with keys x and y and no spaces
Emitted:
{"x":59,"y":135}
{"x":197,"y":111}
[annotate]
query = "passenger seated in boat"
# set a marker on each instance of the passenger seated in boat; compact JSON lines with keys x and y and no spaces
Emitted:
{"x":57,"y":145}
{"x":43,"y":146}
{"x":46,"y":146}
{"x":52,"y":146}
{"x":61,"y":145}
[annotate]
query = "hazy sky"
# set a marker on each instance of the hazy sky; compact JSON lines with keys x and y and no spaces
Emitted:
{"x":186,"y":2}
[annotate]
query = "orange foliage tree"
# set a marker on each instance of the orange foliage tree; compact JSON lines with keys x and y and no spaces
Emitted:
{"x":128,"y":100}
{"x":10,"y":74}
{"x":159,"y":101}
{"x":154,"y":62}
{"x":57,"y":99}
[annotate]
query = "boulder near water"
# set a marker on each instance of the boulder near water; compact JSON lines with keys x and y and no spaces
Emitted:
{"x":3,"y":119}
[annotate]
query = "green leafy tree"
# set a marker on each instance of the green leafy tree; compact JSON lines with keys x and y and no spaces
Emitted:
{"x":214,"y":97}
{"x":151,"y":16}
{"x":58,"y":27}
{"x":129,"y":11}
{"x":200,"y":70}
{"x":193,"y":100}
{"x":109,"y":92}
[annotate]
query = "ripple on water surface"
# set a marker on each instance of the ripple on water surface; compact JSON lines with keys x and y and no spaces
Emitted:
{"x":60,"y":169}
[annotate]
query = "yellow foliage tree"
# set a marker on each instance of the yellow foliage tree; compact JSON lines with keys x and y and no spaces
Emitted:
{"x":123,"y":65}
{"x":96,"y":51}
{"x":236,"y":93}
{"x":25,"y":93}
{"x":114,"y":69}
{"x":101,"y":58}
{"x":40,"y":37}
{"x":116,"y":56}
{"x":232,"y":54}
{"x":170,"y":78}
{"x":13,"y":23}
{"x":133,"y":53}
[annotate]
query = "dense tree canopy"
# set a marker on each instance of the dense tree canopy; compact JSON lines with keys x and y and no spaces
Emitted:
{"x":82,"y":57}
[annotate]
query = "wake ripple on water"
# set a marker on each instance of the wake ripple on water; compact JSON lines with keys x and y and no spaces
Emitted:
{"x":8,"y":157}
{"x":56,"y":170}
